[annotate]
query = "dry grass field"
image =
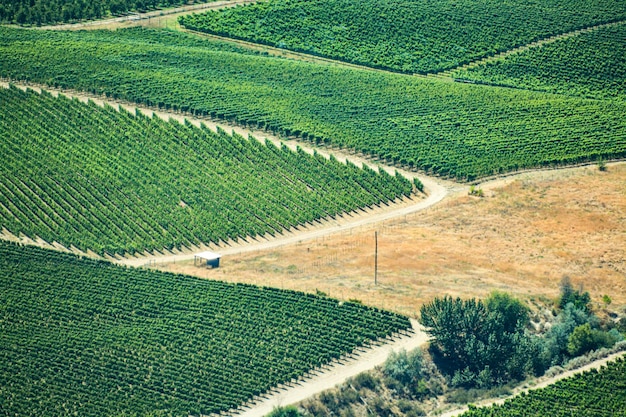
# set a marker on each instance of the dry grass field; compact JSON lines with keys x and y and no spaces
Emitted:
{"x":523,"y":236}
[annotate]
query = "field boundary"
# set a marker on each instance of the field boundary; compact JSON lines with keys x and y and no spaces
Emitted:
{"x":539,"y":383}
{"x":523,"y":48}
{"x":337,"y":372}
{"x":136,"y":18}
{"x":436,"y":189}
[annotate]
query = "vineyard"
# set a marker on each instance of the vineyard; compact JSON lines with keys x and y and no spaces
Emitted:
{"x":38,"y":12}
{"x":87,"y":337}
{"x":595,"y":393}
{"x":106,"y":180}
{"x":588,"y":65}
{"x":450,"y":129}
{"x":405,"y":36}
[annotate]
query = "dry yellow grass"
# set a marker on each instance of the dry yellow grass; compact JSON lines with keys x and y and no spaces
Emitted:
{"x":522,"y":237}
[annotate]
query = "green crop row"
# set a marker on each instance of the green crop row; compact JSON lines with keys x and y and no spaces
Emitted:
{"x":589,"y":65}
{"x":85,"y":337}
{"x":594,"y":393}
{"x":404,"y":35}
{"x":109,"y":181}
{"x":38,"y":12}
{"x":452,"y":129}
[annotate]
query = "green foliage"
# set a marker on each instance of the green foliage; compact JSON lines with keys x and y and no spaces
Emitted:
{"x":477,"y":192}
{"x":289,"y":411}
{"x":38,"y":12}
{"x":589,"y":65}
{"x":584,"y":339}
{"x":510,"y":313}
{"x":451,"y":129}
{"x":404,"y":367}
{"x":110,"y":181}
{"x":594,"y":393}
{"x":481,"y":344}
{"x":581,"y":300}
{"x":86,"y":337}
{"x":404,"y":35}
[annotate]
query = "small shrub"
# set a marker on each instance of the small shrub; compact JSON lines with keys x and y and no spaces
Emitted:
{"x":602,"y":166}
{"x":365,"y":380}
{"x":476,"y":192}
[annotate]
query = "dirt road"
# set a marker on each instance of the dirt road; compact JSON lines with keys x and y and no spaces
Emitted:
{"x":137,"y":19}
{"x":436,"y":189}
{"x":540,"y":383}
{"x":334,"y":374}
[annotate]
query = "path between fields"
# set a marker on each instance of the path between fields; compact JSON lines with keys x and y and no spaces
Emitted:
{"x":539,"y":383}
{"x":136,"y":19}
{"x":437,"y":189}
{"x":335,"y":374}
{"x":528,"y":46}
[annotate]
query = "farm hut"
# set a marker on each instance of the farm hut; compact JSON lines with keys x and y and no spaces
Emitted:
{"x":212,"y":259}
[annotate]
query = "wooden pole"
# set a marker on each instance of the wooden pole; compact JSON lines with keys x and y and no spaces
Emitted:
{"x":376,"y":258}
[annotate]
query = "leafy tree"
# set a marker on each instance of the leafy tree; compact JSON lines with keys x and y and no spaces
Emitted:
{"x":480,"y":343}
{"x":581,"y":300}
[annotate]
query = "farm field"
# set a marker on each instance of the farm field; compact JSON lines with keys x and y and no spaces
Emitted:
{"x":88,"y":337}
{"x":590,"y":64}
{"x":522,"y":237}
{"x":38,"y":12}
{"x":404,"y":36}
{"x":461,"y":131}
{"x":149,"y":184}
{"x":594,"y":393}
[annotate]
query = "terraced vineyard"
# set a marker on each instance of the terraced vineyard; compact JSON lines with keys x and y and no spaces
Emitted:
{"x":87,"y":337}
{"x":404,"y":35}
{"x":589,"y":64}
{"x":595,"y":393}
{"x":451,"y":129}
{"x":112,"y":182}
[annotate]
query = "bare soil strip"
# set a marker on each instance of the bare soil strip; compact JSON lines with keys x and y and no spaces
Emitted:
{"x":138,"y":19}
{"x":334,"y":374}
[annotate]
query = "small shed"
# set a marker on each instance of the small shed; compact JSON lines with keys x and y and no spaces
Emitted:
{"x":212,"y":259}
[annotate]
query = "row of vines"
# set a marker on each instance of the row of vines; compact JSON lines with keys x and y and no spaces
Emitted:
{"x":450,"y":129}
{"x":38,"y":12}
{"x":86,"y":337}
{"x":595,"y":393}
{"x":404,"y":35}
{"x":113,"y":182}
{"x":589,"y":64}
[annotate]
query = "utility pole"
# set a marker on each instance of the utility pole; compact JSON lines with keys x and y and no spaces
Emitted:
{"x":376,"y":258}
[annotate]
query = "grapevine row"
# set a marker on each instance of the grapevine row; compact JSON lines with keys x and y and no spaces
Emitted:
{"x":110,"y":181}
{"x":89,"y":337}
{"x":589,"y":65}
{"x":594,"y":393}
{"x":450,"y":129}
{"x":402,"y":35}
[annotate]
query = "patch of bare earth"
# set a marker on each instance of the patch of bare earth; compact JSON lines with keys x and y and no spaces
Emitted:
{"x":522,"y":237}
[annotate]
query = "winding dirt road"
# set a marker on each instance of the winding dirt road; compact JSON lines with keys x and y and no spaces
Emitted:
{"x":436,"y":189}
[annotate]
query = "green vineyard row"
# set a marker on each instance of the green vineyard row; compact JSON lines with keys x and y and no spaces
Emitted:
{"x":588,"y":65}
{"x":86,"y":337}
{"x":404,"y":35}
{"x":113,"y":182}
{"x":594,"y":393}
{"x":450,"y":129}
{"x":38,"y":12}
